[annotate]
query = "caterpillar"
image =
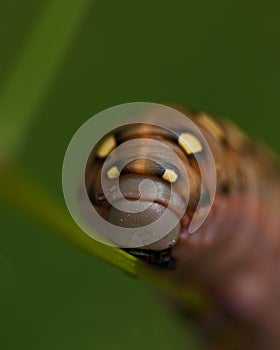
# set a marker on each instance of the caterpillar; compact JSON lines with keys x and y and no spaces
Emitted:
{"x":234,"y":254}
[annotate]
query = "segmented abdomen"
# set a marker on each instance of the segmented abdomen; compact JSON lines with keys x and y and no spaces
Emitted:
{"x":235,"y":254}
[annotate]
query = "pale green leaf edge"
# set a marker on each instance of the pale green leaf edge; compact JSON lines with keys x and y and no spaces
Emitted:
{"x":26,"y":194}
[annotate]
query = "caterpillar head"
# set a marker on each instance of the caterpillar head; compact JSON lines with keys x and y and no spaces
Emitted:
{"x":131,"y":179}
{"x":143,"y":182}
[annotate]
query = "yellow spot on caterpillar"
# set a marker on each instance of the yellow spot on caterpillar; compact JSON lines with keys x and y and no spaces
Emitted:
{"x":106,"y":147}
{"x":113,"y":173}
{"x":170,"y":175}
{"x":209,"y":124}
{"x":190,"y":143}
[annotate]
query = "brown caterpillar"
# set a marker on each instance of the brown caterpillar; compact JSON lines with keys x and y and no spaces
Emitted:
{"x":234,"y":257}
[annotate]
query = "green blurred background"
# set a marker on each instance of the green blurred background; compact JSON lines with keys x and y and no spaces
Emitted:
{"x":221,"y":56}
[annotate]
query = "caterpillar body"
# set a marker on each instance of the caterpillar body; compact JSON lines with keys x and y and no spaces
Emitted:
{"x":234,"y":256}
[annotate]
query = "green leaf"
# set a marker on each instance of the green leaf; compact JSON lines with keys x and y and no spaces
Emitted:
{"x":31,"y":198}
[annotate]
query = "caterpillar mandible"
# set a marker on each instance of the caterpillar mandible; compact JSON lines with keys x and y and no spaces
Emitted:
{"x":234,"y":254}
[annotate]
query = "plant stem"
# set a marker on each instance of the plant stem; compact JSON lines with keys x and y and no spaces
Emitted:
{"x":32,"y":199}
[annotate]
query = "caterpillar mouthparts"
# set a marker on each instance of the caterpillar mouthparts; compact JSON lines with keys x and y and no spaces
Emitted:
{"x":155,"y":207}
